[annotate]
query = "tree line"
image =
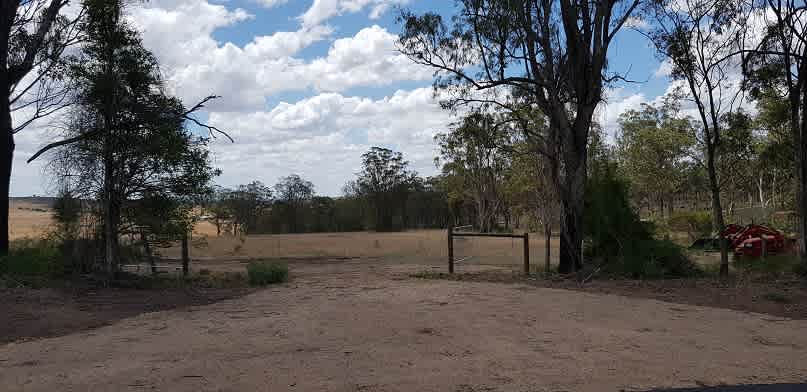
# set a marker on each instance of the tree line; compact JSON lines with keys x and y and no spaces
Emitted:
{"x":385,"y":196}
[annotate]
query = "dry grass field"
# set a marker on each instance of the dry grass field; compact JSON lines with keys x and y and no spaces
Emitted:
{"x":29,"y":220}
{"x":418,"y":246}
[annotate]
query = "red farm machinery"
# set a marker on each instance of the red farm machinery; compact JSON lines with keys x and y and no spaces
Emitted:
{"x":747,"y":241}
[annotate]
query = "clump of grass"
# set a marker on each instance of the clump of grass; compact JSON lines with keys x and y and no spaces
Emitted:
{"x":263,"y":272}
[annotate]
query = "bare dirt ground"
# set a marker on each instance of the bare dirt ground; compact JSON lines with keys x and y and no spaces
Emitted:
{"x":781,"y":298}
{"x":29,"y":314}
{"x":365,"y":326}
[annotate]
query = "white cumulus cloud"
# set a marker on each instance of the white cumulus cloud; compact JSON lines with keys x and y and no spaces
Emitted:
{"x":322,"y":10}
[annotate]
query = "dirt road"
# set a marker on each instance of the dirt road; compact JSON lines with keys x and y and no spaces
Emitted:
{"x":359,"y":327}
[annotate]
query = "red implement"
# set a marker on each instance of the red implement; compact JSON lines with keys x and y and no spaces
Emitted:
{"x":748,"y":240}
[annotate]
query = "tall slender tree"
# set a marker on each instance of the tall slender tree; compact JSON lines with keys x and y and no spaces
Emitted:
{"x":126,"y":141}
{"x":779,"y":63}
{"x":33,"y":36}
{"x":699,"y":38}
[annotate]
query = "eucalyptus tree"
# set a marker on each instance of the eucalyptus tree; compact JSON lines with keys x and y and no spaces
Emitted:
{"x":385,"y":181}
{"x":777,"y":67}
{"x":550,"y":55}
{"x":702,"y":40}
{"x":33,"y":36}
{"x":475,"y":151}
{"x":292,"y":194}
{"x":654,"y":146}
{"x":126,"y":142}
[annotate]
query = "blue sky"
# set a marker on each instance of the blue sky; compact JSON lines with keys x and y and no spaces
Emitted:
{"x":308,"y":85}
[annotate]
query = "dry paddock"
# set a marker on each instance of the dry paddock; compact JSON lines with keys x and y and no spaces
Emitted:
{"x":365,"y":326}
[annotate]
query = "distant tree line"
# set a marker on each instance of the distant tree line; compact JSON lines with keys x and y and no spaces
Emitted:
{"x":385,"y":196}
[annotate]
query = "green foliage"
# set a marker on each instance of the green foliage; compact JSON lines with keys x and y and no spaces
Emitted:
{"x":474,"y":155}
{"x":293,"y":194}
{"x":264,"y":272}
{"x":32,"y":259}
{"x":696,"y":224}
{"x":131,"y":148}
{"x":620,"y":240}
{"x":245,"y":204}
{"x":653,"y":145}
{"x":385,"y":182}
{"x":66,"y":208}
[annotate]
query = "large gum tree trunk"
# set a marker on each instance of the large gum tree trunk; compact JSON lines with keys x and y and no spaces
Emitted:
{"x":571,"y":216}
{"x":6,"y":159}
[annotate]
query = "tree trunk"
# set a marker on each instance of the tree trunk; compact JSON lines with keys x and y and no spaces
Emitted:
{"x":111,"y":229}
{"x":185,"y":255}
{"x":571,"y":217}
{"x":801,"y":164}
{"x":6,"y":160}
{"x":547,"y":243}
{"x":718,"y":224}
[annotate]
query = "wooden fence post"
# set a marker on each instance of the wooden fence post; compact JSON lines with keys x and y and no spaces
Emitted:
{"x":450,"y":250}
{"x":527,"y":254}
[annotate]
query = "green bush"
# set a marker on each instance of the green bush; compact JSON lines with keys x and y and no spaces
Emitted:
{"x":619,"y":241}
{"x":262,"y":273}
{"x":695,"y":224}
{"x":32,"y":258}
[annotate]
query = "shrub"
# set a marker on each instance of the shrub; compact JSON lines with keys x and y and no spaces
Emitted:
{"x":261,"y":273}
{"x":695,"y":224}
{"x":29,"y":258}
{"x":620,"y":241}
